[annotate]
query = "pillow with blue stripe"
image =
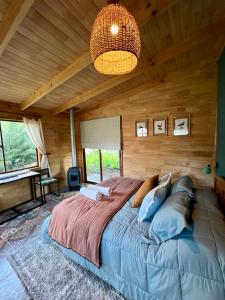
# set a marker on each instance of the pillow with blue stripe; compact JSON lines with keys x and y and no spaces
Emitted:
{"x":153,"y":200}
{"x":171,"y":219}
{"x":182,"y":184}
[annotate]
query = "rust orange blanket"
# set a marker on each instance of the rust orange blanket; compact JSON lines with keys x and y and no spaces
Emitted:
{"x":78,"y":222}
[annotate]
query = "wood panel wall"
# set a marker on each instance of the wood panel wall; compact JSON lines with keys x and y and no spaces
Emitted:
{"x":57,"y":138}
{"x":192,"y":93}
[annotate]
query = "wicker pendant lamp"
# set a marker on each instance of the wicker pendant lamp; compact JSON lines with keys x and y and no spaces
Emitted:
{"x":115,"y":40}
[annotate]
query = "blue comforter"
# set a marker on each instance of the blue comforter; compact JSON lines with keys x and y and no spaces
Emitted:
{"x":189,"y":267}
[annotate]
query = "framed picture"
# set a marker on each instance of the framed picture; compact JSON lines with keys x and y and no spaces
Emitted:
{"x":141,"y":128}
{"x":181,"y":126}
{"x":160,"y":126}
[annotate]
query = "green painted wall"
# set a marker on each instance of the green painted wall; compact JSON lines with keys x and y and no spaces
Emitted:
{"x":220,"y":151}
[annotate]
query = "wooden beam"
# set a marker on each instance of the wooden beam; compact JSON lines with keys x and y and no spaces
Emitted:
{"x":127,"y":94}
{"x":163,"y":56}
{"x":12,"y":19}
{"x":84,"y":60}
{"x":161,"y":80}
{"x":100,"y":88}
{"x":190,"y":42}
{"x":79,"y":64}
{"x":148,"y":13}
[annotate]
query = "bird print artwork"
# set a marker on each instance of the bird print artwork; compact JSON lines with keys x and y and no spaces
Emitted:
{"x":142,"y":129}
{"x":159,"y":127}
{"x":181,"y":126}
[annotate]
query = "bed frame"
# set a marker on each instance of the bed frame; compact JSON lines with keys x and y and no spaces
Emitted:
{"x":220,"y":191}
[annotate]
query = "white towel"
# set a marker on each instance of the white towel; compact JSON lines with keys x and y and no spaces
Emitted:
{"x":90,"y":193}
{"x":106,"y":191}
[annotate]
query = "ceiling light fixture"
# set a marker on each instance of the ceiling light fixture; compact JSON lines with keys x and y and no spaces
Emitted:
{"x":115,"y":40}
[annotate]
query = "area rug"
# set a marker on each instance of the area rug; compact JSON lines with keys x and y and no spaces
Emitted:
{"x":22,"y":226}
{"x":48,"y":274}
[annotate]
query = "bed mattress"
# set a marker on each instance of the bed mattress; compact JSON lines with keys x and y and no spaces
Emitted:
{"x":189,"y":267}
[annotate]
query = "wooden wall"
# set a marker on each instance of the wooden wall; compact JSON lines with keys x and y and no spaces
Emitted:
{"x":192,"y":92}
{"x":57,"y":138}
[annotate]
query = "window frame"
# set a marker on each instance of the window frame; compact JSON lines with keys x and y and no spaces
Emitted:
{"x":3,"y":151}
{"x":101,"y":171}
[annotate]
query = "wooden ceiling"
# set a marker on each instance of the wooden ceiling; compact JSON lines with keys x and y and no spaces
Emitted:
{"x":44,"y":48}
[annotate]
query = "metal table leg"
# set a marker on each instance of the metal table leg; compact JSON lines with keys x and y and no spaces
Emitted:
{"x":42,"y":198}
{"x":58,"y":189}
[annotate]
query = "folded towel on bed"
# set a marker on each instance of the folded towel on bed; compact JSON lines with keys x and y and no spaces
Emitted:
{"x":90,"y":193}
{"x":106,"y":191}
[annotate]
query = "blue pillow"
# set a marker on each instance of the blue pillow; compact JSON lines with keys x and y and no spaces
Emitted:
{"x":171,"y":219}
{"x":154,"y":199}
{"x":182,"y":184}
{"x":151,"y":202}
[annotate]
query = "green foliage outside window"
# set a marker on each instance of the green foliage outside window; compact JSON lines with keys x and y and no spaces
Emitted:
{"x":110,"y":159}
{"x":19,"y":150}
{"x":1,"y":162}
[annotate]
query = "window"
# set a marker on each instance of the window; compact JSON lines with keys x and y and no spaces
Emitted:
{"x":16,"y":149}
{"x":101,"y":164}
{"x":110,"y":163}
{"x":92,"y":165}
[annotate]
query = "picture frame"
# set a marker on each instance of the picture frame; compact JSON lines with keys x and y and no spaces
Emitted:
{"x":181,"y":126}
{"x":160,"y":126}
{"x":141,"y":128}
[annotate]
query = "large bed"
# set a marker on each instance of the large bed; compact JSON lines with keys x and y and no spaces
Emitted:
{"x":189,"y":267}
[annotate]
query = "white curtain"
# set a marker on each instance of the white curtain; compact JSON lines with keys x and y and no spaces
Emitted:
{"x":35,"y":132}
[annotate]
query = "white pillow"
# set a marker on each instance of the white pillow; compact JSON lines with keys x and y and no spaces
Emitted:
{"x":165,"y":179}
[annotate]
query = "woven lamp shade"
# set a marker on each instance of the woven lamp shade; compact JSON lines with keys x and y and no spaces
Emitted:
{"x":115,"y":41}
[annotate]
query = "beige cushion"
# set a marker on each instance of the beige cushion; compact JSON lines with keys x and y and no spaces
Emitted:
{"x":148,"y":185}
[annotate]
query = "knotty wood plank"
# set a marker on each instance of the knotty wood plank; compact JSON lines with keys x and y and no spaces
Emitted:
{"x":13,"y":18}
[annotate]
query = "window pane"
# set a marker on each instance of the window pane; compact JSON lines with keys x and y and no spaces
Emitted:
{"x":92,"y":165}
{"x":110,"y":163}
{"x":18,"y":148}
{"x":1,"y":162}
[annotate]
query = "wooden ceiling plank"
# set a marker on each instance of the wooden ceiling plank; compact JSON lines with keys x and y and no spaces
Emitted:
{"x":189,"y":42}
{"x":84,"y":60}
{"x":150,"y":12}
{"x":46,"y":40}
{"x":180,"y":47}
{"x":49,"y":10}
{"x":13,"y":18}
